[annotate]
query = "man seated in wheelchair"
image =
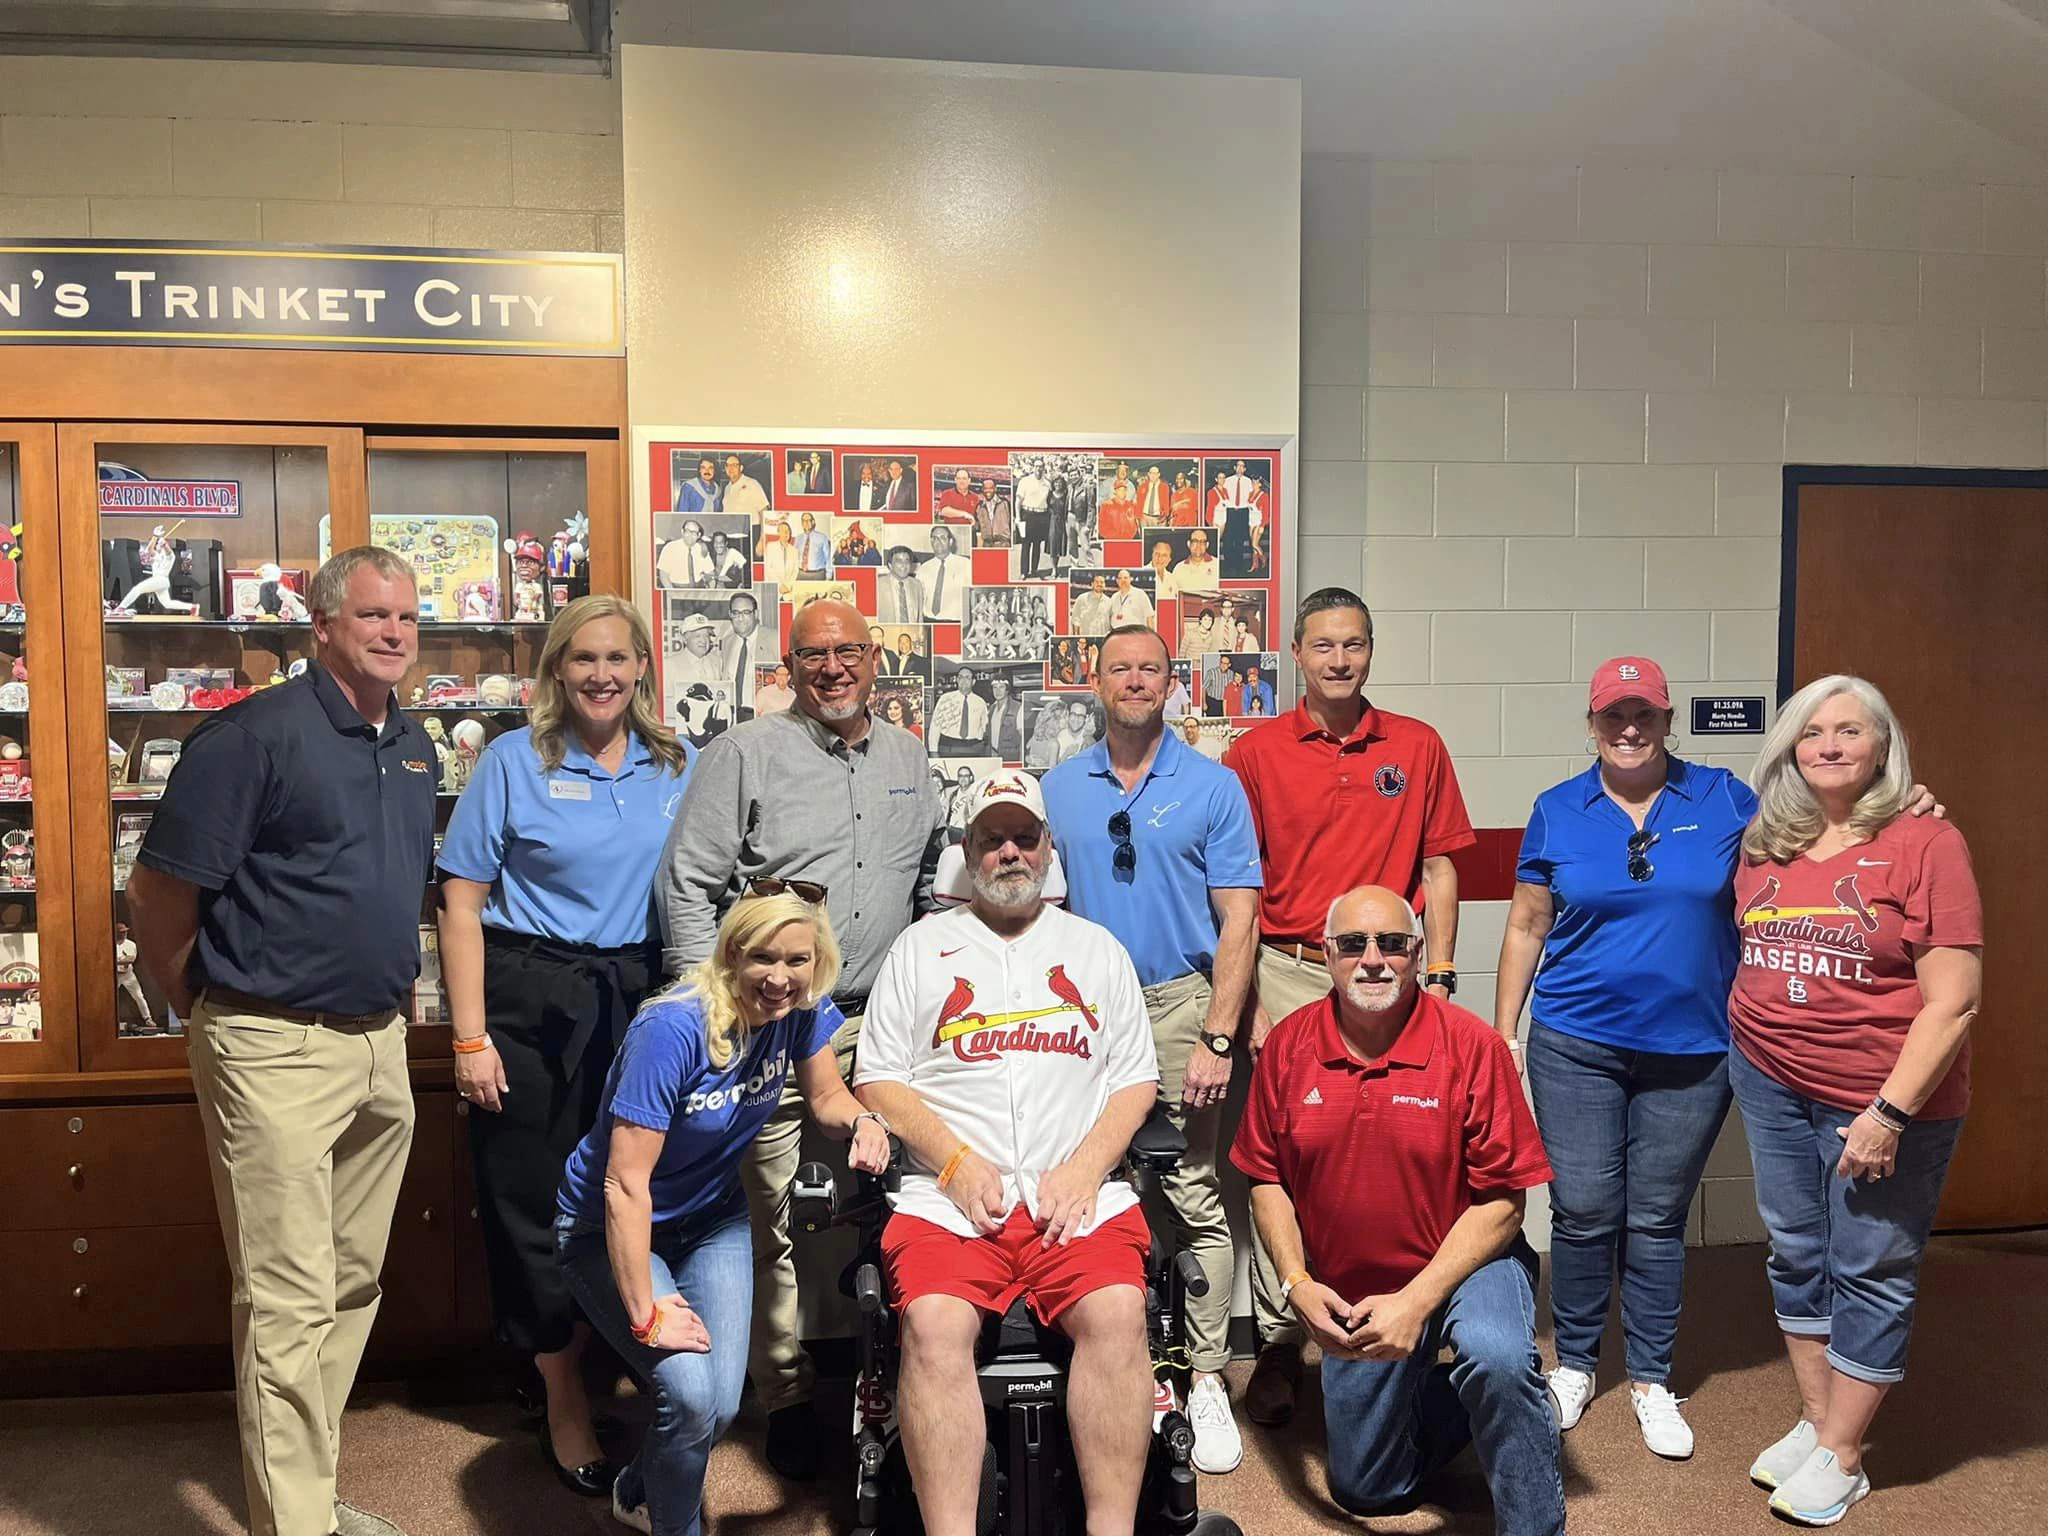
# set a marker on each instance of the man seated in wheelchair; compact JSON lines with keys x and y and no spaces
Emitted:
{"x":1007,"y":1045}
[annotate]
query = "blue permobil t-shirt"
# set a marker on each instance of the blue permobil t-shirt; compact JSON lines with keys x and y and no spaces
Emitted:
{"x":663,"y":1079}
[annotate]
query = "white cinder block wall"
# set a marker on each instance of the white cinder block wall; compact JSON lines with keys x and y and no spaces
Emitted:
{"x":309,"y":154}
{"x":1545,"y":411}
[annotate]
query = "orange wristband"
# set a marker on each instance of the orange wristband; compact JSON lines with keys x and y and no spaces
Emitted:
{"x":470,"y":1047}
{"x":952,"y":1165}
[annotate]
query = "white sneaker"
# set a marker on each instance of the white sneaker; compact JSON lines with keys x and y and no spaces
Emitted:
{"x":1780,"y":1459}
{"x":1820,"y":1492}
{"x":1570,"y":1391}
{"x":1664,"y":1428}
{"x":1218,"y":1445}
{"x":636,"y":1516}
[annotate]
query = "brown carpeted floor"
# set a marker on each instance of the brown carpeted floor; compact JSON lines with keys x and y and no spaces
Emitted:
{"x":1962,"y":1449}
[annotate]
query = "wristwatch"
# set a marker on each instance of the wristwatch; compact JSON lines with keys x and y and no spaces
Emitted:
{"x":1447,"y":979}
{"x":1218,"y":1044}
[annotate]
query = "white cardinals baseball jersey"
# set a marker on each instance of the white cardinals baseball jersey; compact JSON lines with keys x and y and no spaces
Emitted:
{"x":1016,"y":1044}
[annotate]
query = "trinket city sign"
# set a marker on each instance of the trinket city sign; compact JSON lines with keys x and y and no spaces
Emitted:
{"x":160,"y":292}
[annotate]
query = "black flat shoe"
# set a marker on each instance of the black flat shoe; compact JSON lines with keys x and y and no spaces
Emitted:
{"x":593,"y":1479}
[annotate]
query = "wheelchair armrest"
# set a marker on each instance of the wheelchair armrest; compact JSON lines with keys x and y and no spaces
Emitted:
{"x":1158,"y":1145}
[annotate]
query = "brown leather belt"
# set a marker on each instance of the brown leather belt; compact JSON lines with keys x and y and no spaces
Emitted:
{"x":229,"y":1000}
{"x":1308,"y":952}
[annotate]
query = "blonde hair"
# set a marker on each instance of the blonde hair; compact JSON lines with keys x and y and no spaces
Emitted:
{"x":714,"y":984}
{"x":549,"y":713}
{"x":1789,"y":819}
{"x":328,"y":589}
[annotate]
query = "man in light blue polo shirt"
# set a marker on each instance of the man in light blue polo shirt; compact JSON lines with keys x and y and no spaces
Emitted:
{"x":1158,"y":847}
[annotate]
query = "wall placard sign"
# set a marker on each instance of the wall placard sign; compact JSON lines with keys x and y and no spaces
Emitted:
{"x":156,"y":293}
{"x":1728,"y":717}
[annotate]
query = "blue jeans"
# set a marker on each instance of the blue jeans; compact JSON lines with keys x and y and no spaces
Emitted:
{"x":710,"y":1263}
{"x":1391,"y":1423}
{"x":1845,"y":1253}
{"x":1628,"y":1133}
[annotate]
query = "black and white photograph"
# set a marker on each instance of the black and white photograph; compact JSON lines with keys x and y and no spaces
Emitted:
{"x":1239,"y":684}
{"x":711,"y":644}
{"x":906,"y":651}
{"x":1008,"y":623}
{"x":1137,"y":493}
{"x":954,"y":777}
{"x":1182,"y":560}
{"x":925,"y":572}
{"x":1063,"y":725}
{"x":1054,"y":513}
{"x":803,"y":593}
{"x":1070,"y":661}
{"x":963,"y":694}
{"x":702,"y":551}
{"x":880,"y":482}
{"x":1222,"y":621}
{"x":807,"y":472}
{"x":735,"y":481}
{"x":1236,"y":506}
{"x":900,"y":703}
{"x":1109,"y":597}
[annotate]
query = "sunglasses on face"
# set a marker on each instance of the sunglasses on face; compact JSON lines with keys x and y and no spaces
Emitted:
{"x":1639,"y":866}
{"x":803,"y":890}
{"x":1354,"y":945}
{"x":1125,"y":859}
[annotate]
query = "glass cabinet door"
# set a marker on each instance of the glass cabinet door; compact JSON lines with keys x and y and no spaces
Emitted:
{"x":195,"y":546}
{"x":499,"y":533}
{"x":37,"y":1006}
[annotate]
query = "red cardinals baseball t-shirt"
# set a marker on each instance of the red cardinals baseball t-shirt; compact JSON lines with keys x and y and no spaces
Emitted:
{"x":1381,"y":1158}
{"x":1332,"y":815}
{"x":1825,"y":990}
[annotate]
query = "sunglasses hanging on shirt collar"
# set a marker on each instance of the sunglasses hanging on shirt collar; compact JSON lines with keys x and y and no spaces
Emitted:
{"x":1125,"y":859}
{"x":1639,"y":866}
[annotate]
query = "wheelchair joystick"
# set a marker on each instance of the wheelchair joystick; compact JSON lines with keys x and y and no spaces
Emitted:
{"x":867,"y":1290}
{"x":1192,"y":1280}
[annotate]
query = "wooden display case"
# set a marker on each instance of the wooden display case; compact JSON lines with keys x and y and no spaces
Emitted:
{"x":100,"y":1152}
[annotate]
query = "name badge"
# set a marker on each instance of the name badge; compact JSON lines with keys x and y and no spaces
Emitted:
{"x":568,"y":789}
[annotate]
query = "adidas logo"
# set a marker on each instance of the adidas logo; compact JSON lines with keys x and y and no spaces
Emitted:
{"x":1315,"y":1096}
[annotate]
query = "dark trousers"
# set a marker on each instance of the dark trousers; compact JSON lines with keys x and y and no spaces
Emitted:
{"x":556,"y":1013}
{"x":1236,"y":551}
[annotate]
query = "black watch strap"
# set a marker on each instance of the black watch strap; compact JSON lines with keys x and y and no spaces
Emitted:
{"x":1218,"y":1044}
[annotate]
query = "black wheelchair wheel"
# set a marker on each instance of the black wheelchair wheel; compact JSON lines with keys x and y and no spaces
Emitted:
{"x":1214,"y":1524}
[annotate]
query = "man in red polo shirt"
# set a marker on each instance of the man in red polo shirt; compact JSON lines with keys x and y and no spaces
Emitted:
{"x":1342,"y":794}
{"x":1389,"y":1148}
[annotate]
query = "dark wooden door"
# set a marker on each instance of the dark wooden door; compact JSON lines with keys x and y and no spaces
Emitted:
{"x":1939,"y":595}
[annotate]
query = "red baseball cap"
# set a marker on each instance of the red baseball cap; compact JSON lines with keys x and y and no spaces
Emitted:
{"x":1630,"y":677}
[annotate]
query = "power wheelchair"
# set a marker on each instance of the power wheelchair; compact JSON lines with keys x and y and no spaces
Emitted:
{"x":1029,"y":1483}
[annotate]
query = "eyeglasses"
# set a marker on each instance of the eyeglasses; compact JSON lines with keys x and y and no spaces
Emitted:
{"x":1125,"y":860}
{"x":803,"y":890}
{"x":1352,"y":945}
{"x":812,"y":657}
{"x":1639,"y":866}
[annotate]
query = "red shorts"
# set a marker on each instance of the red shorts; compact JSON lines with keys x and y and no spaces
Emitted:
{"x":925,"y":1259}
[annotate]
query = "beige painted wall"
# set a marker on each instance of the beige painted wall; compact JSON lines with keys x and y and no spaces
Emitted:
{"x":846,"y":242}
{"x":308,"y":154}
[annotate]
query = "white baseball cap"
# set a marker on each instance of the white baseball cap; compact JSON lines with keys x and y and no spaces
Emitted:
{"x":1006,"y":786}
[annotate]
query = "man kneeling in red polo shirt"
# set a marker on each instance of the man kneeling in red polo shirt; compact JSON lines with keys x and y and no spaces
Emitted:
{"x":1006,"y":1041}
{"x":1389,"y":1148}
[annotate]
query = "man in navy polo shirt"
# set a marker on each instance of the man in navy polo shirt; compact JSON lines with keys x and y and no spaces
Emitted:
{"x":1390,"y":1148}
{"x":276,"y":900}
{"x":1158,"y":848}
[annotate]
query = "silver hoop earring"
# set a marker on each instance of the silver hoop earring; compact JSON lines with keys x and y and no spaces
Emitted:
{"x":1592,"y":746}
{"x":1670,"y":742}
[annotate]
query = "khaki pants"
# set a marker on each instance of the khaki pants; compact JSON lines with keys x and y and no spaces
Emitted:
{"x":307,"y":1127}
{"x":1285,"y":984}
{"x":1194,"y":1197}
{"x":782,"y":1372}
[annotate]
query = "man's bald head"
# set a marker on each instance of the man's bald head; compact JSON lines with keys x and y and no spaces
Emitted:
{"x":826,"y":613}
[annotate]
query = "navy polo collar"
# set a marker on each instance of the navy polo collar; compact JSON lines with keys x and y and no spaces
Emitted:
{"x":343,"y":715}
{"x":1677,"y":779}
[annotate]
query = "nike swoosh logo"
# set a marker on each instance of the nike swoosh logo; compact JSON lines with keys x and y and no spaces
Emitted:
{"x":1873,"y":863}
{"x":945,"y":953}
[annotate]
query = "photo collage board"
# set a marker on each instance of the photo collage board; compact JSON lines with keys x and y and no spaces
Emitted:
{"x":988,"y":576}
